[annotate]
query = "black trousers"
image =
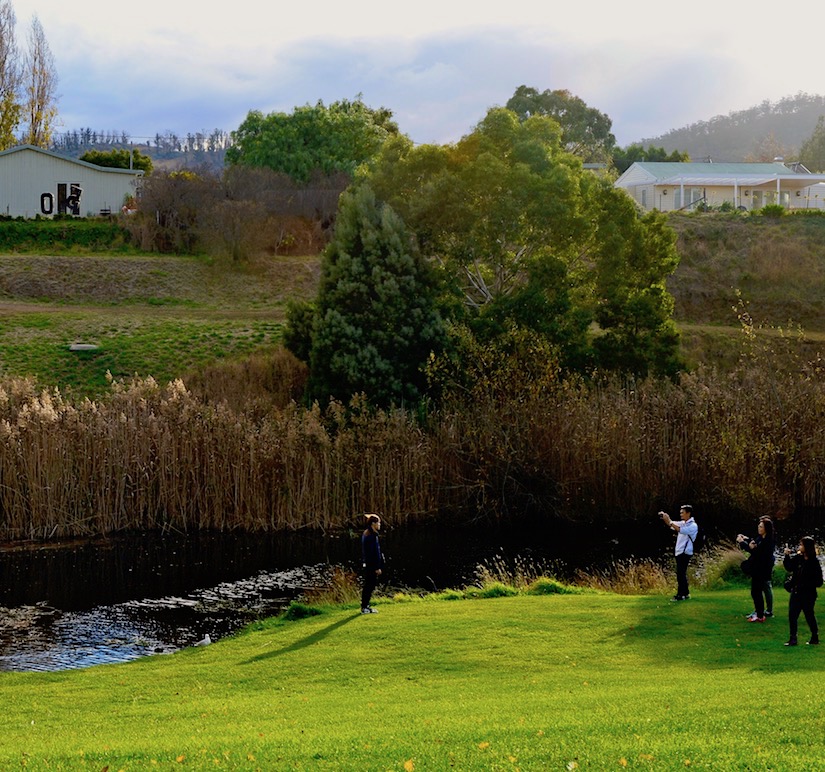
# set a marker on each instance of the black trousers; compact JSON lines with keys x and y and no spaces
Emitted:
{"x":762,"y":594}
{"x":682,"y":563}
{"x":802,"y":605}
{"x":370,"y":580}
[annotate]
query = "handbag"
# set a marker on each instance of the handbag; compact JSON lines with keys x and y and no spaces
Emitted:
{"x":789,"y":582}
{"x":747,"y":567}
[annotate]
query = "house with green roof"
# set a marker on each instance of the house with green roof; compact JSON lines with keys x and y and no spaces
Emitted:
{"x":671,"y":187}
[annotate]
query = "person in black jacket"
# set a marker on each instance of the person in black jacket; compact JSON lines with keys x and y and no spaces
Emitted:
{"x":373,"y":561}
{"x":806,"y":577}
{"x":760,"y":563}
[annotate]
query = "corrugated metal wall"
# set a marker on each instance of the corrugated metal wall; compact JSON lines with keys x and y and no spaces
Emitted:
{"x":38,"y":183}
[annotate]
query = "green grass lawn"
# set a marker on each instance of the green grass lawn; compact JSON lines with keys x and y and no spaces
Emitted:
{"x":148,"y":315}
{"x":589,"y":681}
{"x":163,"y":345}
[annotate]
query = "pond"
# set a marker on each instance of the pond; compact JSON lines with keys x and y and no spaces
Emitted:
{"x":80,"y":603}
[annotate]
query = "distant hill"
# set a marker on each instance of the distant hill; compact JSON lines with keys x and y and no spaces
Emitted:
{"x":761,"y":133}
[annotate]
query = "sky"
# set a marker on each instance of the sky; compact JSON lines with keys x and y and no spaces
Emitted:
{"x":182,"y":66}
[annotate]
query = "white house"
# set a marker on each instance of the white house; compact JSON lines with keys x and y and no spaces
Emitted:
{"x":671,"y":187}
{"x":35,"y":182}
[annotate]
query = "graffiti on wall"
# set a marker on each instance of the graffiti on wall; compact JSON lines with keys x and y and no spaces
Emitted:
{"x":68,"y":199}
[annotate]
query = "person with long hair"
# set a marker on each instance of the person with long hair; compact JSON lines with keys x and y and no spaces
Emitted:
{"x":372,"y":560}
{"x":760,"y":562}
{"x":806,"y":576}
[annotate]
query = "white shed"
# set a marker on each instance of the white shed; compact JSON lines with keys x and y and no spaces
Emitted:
{"x":35,"y":182}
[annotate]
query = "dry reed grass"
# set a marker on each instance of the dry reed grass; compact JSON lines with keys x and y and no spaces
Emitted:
{"x":154,"y":457}
{"x":342,"y":587}
{"x":628,"y":577}
{"x":520,"y":573}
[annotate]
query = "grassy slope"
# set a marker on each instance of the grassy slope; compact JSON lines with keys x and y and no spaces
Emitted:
{"x":167,"y":316}
{"x":159,"y":316}
{"x":531,"y":682}
{"x":772,"y":268}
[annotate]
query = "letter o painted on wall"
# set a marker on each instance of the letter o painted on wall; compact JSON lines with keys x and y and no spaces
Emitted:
{"x":46,"y":203}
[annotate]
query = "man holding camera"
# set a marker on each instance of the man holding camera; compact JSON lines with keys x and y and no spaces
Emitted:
{"x":686,"y":532}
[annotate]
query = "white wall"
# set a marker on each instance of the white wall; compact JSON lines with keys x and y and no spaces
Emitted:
{"x":30,"y":180}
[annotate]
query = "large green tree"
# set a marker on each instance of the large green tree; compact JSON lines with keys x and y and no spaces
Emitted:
{"x":624,"y":158}
{"x":526,"y":236}
{"x":376,"y":322}
{"x":812,"y":152}
{"x":585,"y":130}
{"x":329,"y":139}
{"x":119,"y":159}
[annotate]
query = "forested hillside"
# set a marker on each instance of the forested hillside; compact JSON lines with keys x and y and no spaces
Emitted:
{"x":758,"y":134}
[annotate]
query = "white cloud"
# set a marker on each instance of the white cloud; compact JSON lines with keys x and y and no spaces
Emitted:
{"x":188,"y":66}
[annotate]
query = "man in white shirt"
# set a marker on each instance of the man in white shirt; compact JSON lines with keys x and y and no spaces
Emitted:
{"x":686,"y":532}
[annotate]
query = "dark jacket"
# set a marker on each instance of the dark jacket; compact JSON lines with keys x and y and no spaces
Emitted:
{"x":371,"y":551}
{"x":807,"y":575}
{"x":761,"y":558}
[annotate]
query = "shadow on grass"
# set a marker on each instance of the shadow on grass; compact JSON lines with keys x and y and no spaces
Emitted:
{"x":304,"y":642}
{"x":711,"y":630}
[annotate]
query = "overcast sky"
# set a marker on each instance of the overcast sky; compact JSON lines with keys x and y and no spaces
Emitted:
{"x":183,"y":66}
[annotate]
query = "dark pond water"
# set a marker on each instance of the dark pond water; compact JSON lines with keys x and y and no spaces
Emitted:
{"x":83,"y":603}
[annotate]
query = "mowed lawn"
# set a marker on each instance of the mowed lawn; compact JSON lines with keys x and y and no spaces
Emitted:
{"x":589,"y":681}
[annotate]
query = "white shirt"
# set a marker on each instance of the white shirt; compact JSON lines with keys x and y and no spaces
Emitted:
{"x":688,"y":530}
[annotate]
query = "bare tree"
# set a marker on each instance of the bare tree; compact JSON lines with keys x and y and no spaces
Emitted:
{"x":9,"y":76}
{"x":40,"y":84}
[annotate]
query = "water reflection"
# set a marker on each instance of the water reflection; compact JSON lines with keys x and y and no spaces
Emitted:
{"x":41,"y":637}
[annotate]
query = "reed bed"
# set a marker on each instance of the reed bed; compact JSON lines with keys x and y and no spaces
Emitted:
{"x":158,"y":457}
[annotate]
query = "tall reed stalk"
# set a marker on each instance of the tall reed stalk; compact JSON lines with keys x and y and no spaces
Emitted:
{"x":153,"y":457}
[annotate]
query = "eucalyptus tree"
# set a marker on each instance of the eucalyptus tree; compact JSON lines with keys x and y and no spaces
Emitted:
{"x":586,"y":132}
{"x":329,"y":139}
{"x":525,"y":236}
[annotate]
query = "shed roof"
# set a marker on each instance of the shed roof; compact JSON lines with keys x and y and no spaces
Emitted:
{"x":86,"y":164}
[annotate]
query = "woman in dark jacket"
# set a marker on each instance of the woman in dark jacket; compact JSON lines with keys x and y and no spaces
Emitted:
{"x":373,"y":561}
{"x":806,"y":577}
{"x":760,"y":562}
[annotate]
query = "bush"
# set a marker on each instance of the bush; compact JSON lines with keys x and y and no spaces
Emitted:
{"x":493,"y":590}
{"x":772,"y":210}
{"x":297,"y":610}
{"x":62,"y":235}
{"x":546,"y":586}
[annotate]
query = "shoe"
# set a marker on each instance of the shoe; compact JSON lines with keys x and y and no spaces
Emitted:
{"x":750,"y":617}
{"x":791,"y":642}
{"x":813,"y":642}
{"x":679,"y":597}
{"x":755,"y":618}
{"x":769,"y":613}
{"x":369,"y":610}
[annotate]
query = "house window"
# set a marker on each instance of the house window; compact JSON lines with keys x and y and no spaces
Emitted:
{"x":644,"y":197}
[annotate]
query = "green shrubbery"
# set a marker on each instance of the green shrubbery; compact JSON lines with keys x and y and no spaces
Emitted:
{"x":63,"y":234}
